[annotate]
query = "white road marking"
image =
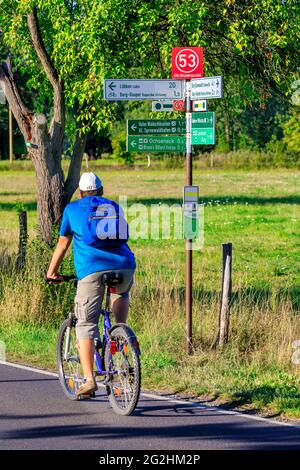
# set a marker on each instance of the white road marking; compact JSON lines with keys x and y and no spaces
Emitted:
{"x":170,"y":400}
{"x":20,"y":366}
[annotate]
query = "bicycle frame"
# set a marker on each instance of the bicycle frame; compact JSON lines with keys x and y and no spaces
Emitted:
{"x":105,"y":336}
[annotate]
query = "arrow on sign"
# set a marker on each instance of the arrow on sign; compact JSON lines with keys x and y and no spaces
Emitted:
{"x":133,"y":143}
{"x":133,"y":127}
{"x":112,"y":86}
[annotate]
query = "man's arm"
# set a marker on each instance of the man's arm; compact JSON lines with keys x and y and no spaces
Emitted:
{"x":58,"y":255}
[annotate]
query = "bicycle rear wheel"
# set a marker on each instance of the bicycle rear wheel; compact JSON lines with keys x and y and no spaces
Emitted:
{"x":68,"y":362}
{"x":122,"y":362}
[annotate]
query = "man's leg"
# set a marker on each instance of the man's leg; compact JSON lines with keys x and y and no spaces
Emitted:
{"x":88,"y":303}
{"x":120,"y":297}
{"x":120,"y":307}
{"x":86,"y":353}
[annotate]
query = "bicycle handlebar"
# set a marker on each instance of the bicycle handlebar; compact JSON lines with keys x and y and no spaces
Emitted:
{"x":66,"y":278}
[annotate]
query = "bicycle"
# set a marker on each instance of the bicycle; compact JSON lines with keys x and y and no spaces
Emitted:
{"x":116,"y":357}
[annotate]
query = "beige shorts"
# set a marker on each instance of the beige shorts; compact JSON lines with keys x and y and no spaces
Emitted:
{"x":89,"y":297}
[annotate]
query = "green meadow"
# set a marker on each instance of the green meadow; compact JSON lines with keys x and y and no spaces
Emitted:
{"x":257,"y":210}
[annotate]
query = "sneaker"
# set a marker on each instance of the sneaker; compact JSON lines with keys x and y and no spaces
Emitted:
{"x":87,"y":387}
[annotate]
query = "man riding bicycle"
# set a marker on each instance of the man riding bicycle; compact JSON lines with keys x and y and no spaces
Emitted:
{"x":100,"y":235}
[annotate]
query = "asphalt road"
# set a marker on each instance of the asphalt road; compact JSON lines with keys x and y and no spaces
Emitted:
{"x":34,"y":414}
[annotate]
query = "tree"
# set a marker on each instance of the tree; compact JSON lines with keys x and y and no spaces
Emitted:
{"x":79,"y":42}
{"x":45,"y":142}
{"x":49,"y":34}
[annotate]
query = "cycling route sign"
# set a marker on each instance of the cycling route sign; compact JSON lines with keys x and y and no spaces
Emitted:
{"x":187,"y":62}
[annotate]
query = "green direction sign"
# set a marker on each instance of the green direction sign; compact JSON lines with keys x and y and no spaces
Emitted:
{"x":156,"y":126}
{"x":203,"y":128}
{"x":156,"y":144}
{"x":203,"y":136}
{"x":206,"y":119}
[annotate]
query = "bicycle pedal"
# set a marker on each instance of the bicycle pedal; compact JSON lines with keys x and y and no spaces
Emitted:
{"x":87,"y":396}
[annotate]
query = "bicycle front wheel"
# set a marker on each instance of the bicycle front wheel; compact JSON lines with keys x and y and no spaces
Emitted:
{"x":122,"y":363}
{"x":68,"y":361}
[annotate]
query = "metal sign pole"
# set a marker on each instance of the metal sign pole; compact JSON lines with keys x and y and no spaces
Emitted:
{"x":188,"y":243}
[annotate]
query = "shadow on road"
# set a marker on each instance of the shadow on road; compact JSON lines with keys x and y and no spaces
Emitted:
{"x":145,"y":425}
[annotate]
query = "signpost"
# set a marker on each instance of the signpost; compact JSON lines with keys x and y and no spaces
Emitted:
{"x":156,"y":126}
{"x":162,"y":106}
{"x":189,"y":241}
{"x":206,"y":88}
{"x":115,"y":90}
{"x":155,"y":144}
{"x":187,"y":62}
{"x":165,"y":135}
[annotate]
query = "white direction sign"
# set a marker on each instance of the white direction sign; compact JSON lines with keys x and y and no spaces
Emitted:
{"x":206,"y":88}
{"x":162,"y":106}
{"x":115,"y":90}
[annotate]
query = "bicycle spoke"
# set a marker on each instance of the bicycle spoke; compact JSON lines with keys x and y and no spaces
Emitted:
{"x":123,"y":377}
{"x":72,"y":367}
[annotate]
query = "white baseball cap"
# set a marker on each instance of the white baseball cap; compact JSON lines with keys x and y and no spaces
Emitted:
{"x":89,"y":182}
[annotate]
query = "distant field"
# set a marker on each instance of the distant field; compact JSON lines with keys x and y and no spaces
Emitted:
{"x":259,"y":211}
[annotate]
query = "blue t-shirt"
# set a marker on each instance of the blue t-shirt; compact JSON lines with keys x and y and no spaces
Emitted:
{"x":89,"y":259}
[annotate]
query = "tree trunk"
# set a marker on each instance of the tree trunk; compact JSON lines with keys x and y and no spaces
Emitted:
{"x":45,"y":144}
{"x":50,"y":180}
{"x":227,"y":132}
{"x":53,"y":192}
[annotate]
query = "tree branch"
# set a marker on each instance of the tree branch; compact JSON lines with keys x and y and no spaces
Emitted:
{"x":72,"y":180}
{"x":56,"y":130}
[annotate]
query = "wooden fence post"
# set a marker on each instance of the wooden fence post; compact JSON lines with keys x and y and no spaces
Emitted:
{"x":224,"y":316}
{"x":21,"y":258}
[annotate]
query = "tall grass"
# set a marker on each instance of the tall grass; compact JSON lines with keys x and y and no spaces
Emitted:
{"x":272,"y":157}
{"x":254,"y":369}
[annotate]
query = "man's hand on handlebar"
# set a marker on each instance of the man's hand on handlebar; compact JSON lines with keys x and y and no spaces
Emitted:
{"x":53,"y":278}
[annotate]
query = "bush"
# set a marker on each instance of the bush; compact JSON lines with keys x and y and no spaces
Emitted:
{"x":119,"y":149}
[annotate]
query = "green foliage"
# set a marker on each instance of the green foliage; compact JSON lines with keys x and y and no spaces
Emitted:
{"x":292,"y":132}
{"x":255,"y":48}
{"x":19,"y":206}
{"x":119,"y":149}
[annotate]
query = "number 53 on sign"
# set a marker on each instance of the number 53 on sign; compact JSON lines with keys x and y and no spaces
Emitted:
{"x":187,"y":62}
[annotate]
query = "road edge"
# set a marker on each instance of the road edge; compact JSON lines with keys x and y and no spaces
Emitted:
{"x":170,"y":399}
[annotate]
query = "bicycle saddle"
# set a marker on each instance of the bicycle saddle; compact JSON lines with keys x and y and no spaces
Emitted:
{"x":111,"y":279}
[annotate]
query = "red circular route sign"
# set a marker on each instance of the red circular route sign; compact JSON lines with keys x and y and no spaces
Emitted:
{"x":178,"y":105}
{"x":187,"y":62}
